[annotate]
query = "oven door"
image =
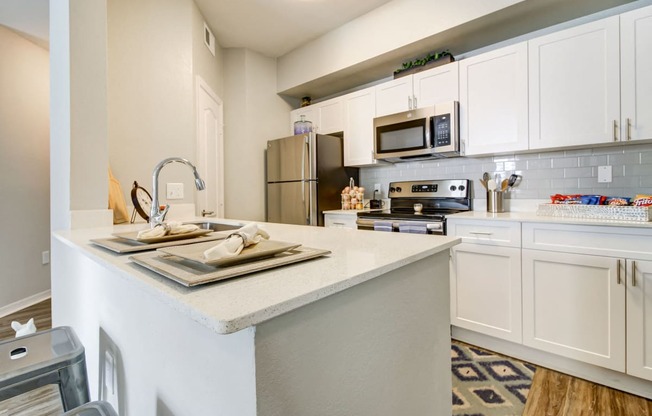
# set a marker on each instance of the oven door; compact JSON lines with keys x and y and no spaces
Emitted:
{"x":404,"y":134}
{"x":383,"y":224}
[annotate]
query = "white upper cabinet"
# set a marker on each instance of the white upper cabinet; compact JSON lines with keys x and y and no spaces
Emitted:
{"x":636,"y":74}
{"x":394,"y":96}
{"x":575,"y":86}
{"x":437,"y":85}
{"x":493,"y":101}
{"x":422,"y":89}
{"x":326,"y":117}
{"x":359,"y":112}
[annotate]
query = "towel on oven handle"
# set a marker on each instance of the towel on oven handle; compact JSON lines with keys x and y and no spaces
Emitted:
{"x":413,"y":227}
{"x":382,"y":226}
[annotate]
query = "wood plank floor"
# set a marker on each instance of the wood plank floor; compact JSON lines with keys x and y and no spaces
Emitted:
{"x":552,"y":393}
{"x":557,"y":394}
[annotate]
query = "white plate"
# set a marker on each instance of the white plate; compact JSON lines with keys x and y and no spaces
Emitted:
{"x":133,"y":235}
{"x":195,"y":252}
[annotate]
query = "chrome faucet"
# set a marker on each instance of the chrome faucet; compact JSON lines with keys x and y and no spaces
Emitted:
{"x":157,"y":216}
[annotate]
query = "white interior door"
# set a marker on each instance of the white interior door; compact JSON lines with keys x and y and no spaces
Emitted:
{"x":210,"y":150}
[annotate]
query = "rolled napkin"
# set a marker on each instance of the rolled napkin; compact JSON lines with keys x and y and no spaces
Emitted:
{"x":232,"y":246}
{"x":178,"y":228}
{"x":156,"y":232}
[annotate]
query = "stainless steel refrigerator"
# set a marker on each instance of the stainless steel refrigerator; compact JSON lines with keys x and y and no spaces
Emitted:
{"x":305,"y":176}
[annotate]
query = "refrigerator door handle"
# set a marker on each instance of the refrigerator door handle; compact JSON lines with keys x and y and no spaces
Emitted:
{"x":305,"y":151}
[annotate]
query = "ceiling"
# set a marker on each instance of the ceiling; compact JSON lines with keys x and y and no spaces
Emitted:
{"x":270,"y":27}
{"x":275,"y":27}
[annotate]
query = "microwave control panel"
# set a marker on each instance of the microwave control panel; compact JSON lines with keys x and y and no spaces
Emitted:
{"x":442,"y":130}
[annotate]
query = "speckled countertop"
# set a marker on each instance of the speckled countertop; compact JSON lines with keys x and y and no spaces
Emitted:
{"x":235,"y":304}
{"x":533,"y":217}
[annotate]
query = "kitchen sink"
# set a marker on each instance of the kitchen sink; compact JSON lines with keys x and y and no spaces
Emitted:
{"x":216,"y":226}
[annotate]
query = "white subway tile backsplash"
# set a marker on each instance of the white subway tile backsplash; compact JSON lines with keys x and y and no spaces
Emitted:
{"x":544,"y":173}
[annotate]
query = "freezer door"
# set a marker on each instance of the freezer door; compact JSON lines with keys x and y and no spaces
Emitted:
{"x":289,"y":159}
{"x":290,"y":202}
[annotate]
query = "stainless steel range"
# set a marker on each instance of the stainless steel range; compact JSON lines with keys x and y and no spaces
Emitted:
{"x":420,"y":206}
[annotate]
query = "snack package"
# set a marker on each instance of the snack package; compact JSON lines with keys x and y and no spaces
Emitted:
{"x":642,"y":200}
{"x":565,"y":199}
{"x":617,"y":200}
{"x":592,"y":199}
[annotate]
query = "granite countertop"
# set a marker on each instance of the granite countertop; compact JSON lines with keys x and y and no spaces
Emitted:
{"x":231,"y":305}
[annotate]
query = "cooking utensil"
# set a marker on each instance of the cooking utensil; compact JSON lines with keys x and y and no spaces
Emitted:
{"x":485,"y":177}
{"x":483,"y":183}
{"x":504,"y":184}
{"x":513,"y":180}
{"x":491,"y":185}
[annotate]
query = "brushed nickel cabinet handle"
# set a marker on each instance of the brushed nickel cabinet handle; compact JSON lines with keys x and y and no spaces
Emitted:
{"x":409,"y":102}
{"x":481,"y":232}
{"x":618,"y":271}
{"x":633,"y":273}
{"x":629,"y":129}
{"x":615,"y":131}
{"x":414,"y":101}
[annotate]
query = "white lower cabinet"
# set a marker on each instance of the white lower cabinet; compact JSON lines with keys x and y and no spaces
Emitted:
{"x":341,"y":220}
{"x":574,"y":306}
{"x":486,"y":277}
{"x":486,"y":290}
{"x":639,"y":318}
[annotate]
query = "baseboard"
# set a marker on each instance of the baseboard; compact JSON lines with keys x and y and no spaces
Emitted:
{"x":24,"y":303}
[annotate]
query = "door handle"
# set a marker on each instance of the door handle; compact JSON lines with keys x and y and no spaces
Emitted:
{"x":629,"y":129}
{"x":618,"y":271}
{"x":409,"y":103}
{"x":414,"y":101}
{"x":633,"y":273}
{"x":615,"y":131}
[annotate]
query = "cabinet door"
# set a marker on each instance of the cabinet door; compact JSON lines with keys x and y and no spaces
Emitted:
{"x":394,"y":96}
{"x":331,"y":116}
{"x":486,"y":290}
{"x":574,"y":306}
{"x":636,"y":74}
{"x":312,"y":114}
{"x":493,"y":101}
{"x":359,"y":111}
{"x":437,"y":85}
{"x":639,"y":318}
{"x":575,"y":86}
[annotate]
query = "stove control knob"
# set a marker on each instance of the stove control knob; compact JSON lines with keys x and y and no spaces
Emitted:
{"x":462,"y":187}
{"x":398,"y":189}
{"x":392,"y":189}
{"x":453,"y":188}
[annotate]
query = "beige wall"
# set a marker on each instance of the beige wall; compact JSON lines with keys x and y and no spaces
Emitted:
{"x":155,"y":49}
{"x":24,"y":167}
{"x":253,"y":114}
{"x":391,"y":26}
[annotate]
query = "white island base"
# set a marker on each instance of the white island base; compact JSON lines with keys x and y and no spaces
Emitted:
{"x":380,"y":347}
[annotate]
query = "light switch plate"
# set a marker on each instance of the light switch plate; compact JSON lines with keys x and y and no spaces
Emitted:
{"x":604,"y":174}
{"x":174,"y":191}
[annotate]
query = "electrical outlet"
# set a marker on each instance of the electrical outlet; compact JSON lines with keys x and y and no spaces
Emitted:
{"x":45,"y":257}
{"x":174,"y":191}
{"x":604,"y":174}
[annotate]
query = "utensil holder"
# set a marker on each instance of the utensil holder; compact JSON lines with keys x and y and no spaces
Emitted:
{"x":495,"y":201}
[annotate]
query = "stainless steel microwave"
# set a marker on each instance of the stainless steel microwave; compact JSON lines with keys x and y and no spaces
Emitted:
{"x":425,"y":133}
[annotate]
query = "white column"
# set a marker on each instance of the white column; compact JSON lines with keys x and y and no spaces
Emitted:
{"x":78,"y":114}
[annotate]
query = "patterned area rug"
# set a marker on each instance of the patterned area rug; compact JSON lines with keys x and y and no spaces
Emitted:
{"x":488,"y":384}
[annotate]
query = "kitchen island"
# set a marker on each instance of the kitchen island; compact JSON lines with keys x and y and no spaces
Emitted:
{"x":363,"y":331}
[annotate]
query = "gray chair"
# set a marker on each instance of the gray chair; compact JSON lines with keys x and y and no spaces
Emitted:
{"x":47,"y":357}
{"x":99,"y":408}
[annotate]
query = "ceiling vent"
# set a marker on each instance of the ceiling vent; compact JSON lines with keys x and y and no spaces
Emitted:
{"x":209,"y":39}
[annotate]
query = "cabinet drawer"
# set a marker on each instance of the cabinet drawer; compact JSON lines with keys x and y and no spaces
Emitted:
{"x":589,"y":239}
{"x":496,"y":233}
{"x":340,"y":221}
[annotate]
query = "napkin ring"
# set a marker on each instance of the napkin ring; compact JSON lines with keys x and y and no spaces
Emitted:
{"x":238,"y":234}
